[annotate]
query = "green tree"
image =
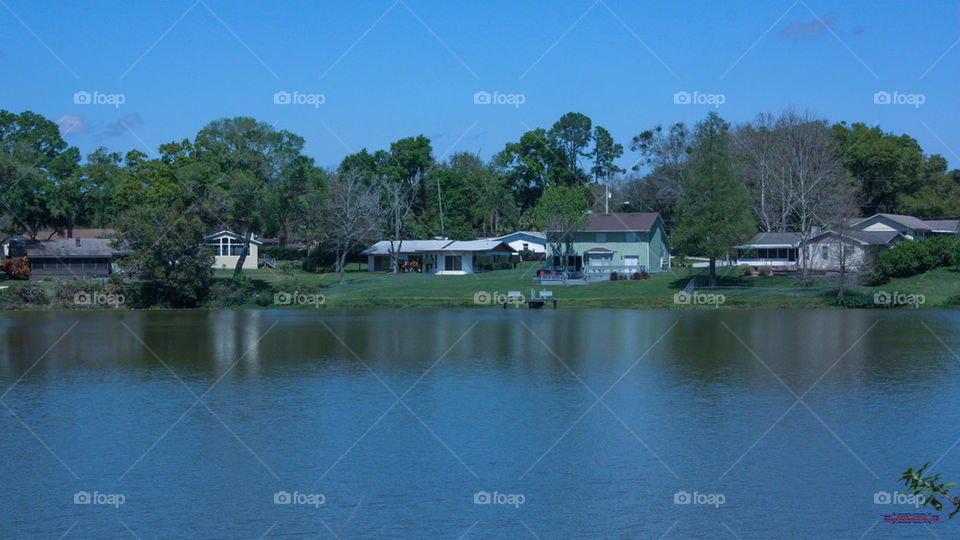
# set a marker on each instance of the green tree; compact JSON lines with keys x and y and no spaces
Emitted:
{"x":713,"y":212}
{"x":888,"y":166}
{"x":249,"y":162}
{"x":34,"y":160}
{"x":560,"y":212}
{"x":573,"y":134}
{"x":88,"y":191}
{"x":161,"y":225}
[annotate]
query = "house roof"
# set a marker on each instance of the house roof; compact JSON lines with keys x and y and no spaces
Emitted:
{"x":475,"y":245}
{"x":66,"y":249}
{"x":872,"y":238}
{"x":773,"y":239}
{"x":77,"y":233}
{"x":944,"y":225}
{"x":437,"y":245}
{"x":536,"y":234}
{"x":916,"y":224}
{"x":406,"y":246}
{"x":231,"y":234}
{"x":621,"y":222}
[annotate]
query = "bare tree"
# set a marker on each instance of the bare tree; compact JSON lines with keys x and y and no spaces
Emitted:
{"x":351,"y":215}
{"x":400,"y":196}
{"x":812,"y":174}
{"x":758,"y":146}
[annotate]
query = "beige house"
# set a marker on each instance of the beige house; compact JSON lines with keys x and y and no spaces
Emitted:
{"x":227,"y":247}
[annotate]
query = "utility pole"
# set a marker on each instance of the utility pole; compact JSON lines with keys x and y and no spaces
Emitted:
{"x":443,"y":232}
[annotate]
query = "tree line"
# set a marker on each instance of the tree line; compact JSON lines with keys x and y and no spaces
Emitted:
{"x":785,"y":172}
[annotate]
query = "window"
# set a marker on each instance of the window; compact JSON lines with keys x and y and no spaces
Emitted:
{"x":631,"y":261}
{"x":631,"y":237}
{"x":601,"y":237}
{"x":452,"y":262}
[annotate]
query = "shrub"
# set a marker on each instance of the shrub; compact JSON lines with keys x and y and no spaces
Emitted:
{"x":744,"y":270}
{"x":765,"y":271}
{"x":913,"y":257}
{"x":614,"y":276}
{"x":27,"y":294}
{"x":16,"y":268}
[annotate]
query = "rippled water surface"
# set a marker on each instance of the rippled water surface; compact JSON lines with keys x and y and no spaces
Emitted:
{"x":590,"y":422}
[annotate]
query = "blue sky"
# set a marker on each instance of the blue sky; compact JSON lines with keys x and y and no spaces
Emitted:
{"x":390,"y":69}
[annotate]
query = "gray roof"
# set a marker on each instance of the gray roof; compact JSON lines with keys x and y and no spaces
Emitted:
{"x":66,"y":249}
{"x":536,"y":234}
{"x":916,"y":224}
{"x":944,"y":225}
{"x":873,"y":238}
{"x":621,"y":222}
{"x":407,"y":247}
{"x":475,"y":245}
{"x":773,"y":239}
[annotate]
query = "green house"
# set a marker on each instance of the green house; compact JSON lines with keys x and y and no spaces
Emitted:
{"x":617,"y":243}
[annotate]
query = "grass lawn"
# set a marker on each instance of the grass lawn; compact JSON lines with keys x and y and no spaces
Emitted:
{"x":364,"y":289}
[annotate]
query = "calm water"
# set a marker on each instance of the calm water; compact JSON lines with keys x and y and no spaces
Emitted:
{"x":395,"y":419}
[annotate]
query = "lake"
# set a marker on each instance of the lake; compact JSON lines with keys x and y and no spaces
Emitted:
{"x":474,"y":423}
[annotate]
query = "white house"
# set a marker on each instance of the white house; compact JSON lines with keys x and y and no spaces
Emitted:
{"x":227,"y":247}
{"x":825,"y":248}
{"x":441,"y":255}
{"x":520,"y":241}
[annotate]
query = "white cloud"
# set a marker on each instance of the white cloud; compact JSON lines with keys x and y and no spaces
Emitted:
{"x":70,"y":124}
